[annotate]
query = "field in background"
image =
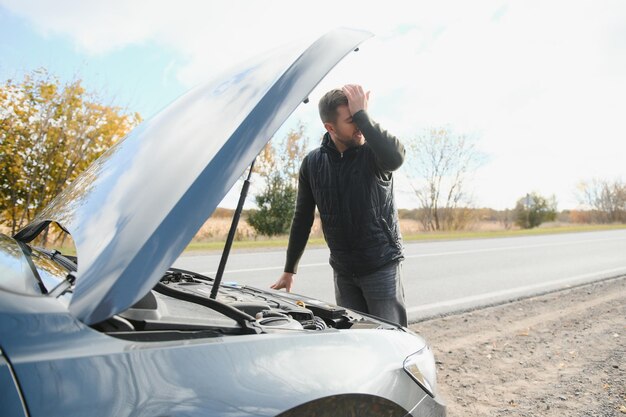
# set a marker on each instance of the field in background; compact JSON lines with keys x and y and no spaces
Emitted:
{"x":213,"y":233}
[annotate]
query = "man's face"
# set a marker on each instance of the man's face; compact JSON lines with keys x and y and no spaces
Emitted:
{"x":344,"y":131}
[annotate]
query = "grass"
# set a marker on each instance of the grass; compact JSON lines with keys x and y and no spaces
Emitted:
{"x":281,"y":242}
{"x":511,"y":233}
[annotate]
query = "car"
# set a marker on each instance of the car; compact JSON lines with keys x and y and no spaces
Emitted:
{"x":117,"y":331}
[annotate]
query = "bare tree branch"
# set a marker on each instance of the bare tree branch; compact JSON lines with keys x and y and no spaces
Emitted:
{"x":439,"y":164}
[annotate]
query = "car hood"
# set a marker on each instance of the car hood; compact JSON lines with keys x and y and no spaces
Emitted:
{"x":137,"y":207}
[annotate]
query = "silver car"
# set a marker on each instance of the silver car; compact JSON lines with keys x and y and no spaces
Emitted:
{"x":115,"y":331}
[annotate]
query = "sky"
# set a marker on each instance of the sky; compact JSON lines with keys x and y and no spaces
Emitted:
{"x":540,"y":86}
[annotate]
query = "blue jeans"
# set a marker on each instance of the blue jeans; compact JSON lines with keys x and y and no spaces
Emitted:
{"x":379,"y":293}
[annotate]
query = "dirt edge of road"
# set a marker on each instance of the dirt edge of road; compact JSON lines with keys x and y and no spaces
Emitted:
{"x":556,"y":354}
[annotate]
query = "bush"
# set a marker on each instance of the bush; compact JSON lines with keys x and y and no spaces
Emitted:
{"x":532,"y":210}
{"x":276,"y":207}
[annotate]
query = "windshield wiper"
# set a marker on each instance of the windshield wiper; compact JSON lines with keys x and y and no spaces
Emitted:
{"x":66,"y":263}
{"x":57,"y":256}
{"x":63,"y":286}
{"x":27,"y":251}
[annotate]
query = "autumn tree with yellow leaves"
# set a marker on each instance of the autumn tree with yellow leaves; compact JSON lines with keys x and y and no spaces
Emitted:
{"x":278,"y":164}
{"x":49,"y":133}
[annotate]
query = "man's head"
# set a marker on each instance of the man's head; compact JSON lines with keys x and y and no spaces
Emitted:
{"x":335,"y":115}
{"x":329,"y":103}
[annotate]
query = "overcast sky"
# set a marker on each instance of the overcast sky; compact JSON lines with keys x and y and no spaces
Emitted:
{"x":540,"y":85}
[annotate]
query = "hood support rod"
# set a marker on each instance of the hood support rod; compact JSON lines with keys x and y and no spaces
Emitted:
{"x":231,"y":234}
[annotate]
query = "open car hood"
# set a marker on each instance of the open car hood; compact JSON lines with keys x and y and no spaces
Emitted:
{"x":133,"y":212}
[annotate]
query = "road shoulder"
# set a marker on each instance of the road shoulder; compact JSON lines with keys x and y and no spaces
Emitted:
{"x":557,"y":354}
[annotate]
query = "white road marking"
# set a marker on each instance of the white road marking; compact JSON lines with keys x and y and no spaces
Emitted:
{"x":516,"y":290}
{"x":429,"y":255}
{"x":500,"y":249}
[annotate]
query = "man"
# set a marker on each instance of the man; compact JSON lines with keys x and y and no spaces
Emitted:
{"x":349,"y":179}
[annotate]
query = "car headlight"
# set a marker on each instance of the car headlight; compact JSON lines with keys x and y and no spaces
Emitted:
{"x":421,"y":367}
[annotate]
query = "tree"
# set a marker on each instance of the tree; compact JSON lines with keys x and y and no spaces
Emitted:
{"x":439,"y":164}
{"x":49,"y":133}
{"x":606,"y":198}
{"x":533,"y":209}
{"x":278,"y":165}
{"x":276,"y":207}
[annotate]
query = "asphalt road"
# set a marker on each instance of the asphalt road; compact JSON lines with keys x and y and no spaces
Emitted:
{"x":441,"y":277}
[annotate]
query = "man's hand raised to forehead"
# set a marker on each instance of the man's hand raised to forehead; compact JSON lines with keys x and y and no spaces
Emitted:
{"x":357,"y":97}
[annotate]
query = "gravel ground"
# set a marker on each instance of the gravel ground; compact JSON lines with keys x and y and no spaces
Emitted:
{"x":559,"y":354}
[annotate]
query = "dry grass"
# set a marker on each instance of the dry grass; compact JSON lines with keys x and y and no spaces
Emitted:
{"x":216,"y":230}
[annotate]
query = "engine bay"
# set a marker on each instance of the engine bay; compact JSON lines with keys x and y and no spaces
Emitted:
{"x":180,"y":306}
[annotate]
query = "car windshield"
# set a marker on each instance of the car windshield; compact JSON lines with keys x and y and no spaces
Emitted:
{"x":50,"y":271}
{"x":26,"y":270}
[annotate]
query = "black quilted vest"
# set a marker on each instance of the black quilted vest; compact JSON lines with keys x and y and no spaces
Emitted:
{"x":356,"y":206}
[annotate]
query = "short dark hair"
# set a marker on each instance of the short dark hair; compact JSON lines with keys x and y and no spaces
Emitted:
{"x":328,"y":105}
